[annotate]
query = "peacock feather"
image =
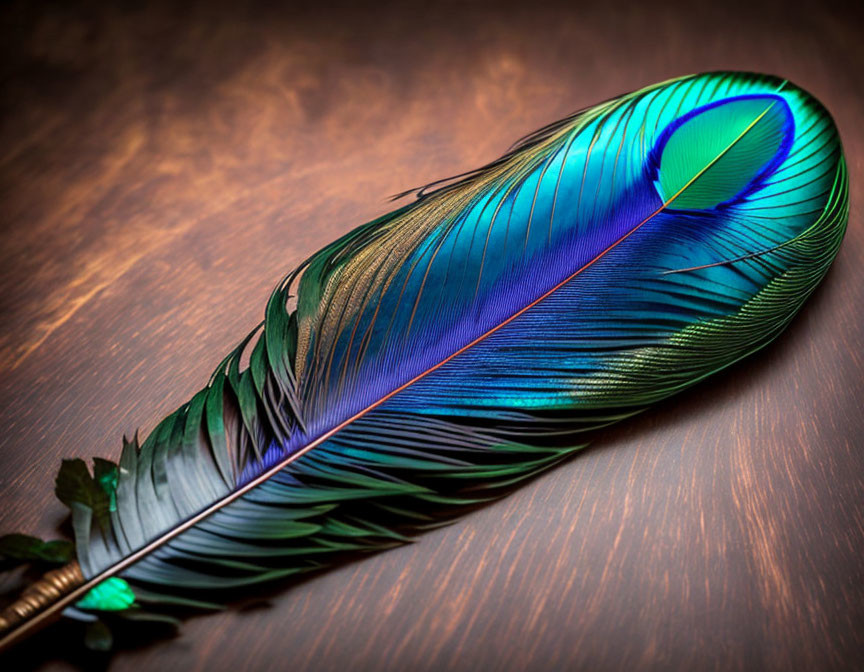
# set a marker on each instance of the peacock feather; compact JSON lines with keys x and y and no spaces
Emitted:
{"x":431,"y":359}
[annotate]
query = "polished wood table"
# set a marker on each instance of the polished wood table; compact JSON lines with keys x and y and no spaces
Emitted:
{"x":163,"y":167}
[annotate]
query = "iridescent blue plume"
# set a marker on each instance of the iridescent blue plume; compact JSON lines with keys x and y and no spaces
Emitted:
{"x":432,"y":358}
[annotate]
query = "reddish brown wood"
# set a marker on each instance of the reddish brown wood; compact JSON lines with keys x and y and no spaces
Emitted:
{"x":162,"y":168}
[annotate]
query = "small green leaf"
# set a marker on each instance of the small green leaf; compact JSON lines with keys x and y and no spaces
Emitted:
{"x":113,"y":594}
{"x":97,"y":637}
{"x":21,"y":548}
{"x":74,"y":485}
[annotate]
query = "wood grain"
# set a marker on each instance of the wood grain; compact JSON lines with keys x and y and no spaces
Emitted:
{"x":162,"y":168}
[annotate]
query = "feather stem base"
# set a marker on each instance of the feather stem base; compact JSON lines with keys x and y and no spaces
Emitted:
{"x":41,"y":594}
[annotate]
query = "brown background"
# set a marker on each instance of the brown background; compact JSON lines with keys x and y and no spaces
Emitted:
{"x":162,"y":168}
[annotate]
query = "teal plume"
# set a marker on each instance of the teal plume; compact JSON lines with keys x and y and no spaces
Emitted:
{"x":433,"y":358}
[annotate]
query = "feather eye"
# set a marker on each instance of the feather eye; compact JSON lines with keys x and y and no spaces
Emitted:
{"x":718,"y":153}
{"x":435,"y":357}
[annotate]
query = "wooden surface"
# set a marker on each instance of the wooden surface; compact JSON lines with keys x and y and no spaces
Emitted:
{"x":162,"y":168}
